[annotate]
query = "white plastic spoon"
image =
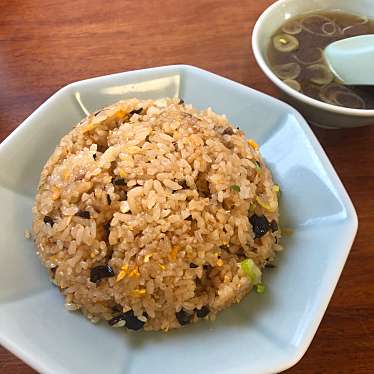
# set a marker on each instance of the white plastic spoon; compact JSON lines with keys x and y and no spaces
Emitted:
{"x":352,"y":60}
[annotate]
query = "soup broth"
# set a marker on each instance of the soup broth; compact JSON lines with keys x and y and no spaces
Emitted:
{"x":295,"y":55}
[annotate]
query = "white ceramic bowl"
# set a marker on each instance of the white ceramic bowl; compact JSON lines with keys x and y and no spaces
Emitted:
{"x":264,"y":333}
{"x":318,"y":113}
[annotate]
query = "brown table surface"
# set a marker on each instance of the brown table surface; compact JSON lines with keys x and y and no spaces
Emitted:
{"x":46,"y":44}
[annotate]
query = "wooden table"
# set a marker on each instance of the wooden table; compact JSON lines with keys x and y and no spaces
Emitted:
{"x":46,"y":44}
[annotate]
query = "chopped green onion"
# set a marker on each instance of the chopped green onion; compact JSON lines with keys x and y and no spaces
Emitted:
{"x":260,"y":288}
{"x":258,"y":167}
{"x":251,"y":270}
{"x":252,"y":208}
{"x":235,"y":188}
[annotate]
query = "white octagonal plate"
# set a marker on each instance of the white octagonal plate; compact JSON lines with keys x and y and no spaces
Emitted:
{"x":265,"y":333}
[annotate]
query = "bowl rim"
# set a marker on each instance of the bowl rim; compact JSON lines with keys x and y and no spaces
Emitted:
{"x":261,"y":61}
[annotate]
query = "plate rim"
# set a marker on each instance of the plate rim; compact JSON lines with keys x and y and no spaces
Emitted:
{"x":297,"y":352}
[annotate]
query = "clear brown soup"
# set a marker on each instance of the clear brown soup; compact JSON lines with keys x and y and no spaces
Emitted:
{"x":295,"y":56}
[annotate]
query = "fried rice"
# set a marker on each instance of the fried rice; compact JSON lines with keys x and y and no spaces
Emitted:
{"x":153,"y":215}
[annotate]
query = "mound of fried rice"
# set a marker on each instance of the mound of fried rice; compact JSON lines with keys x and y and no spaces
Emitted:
{"x":152,"y":215}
